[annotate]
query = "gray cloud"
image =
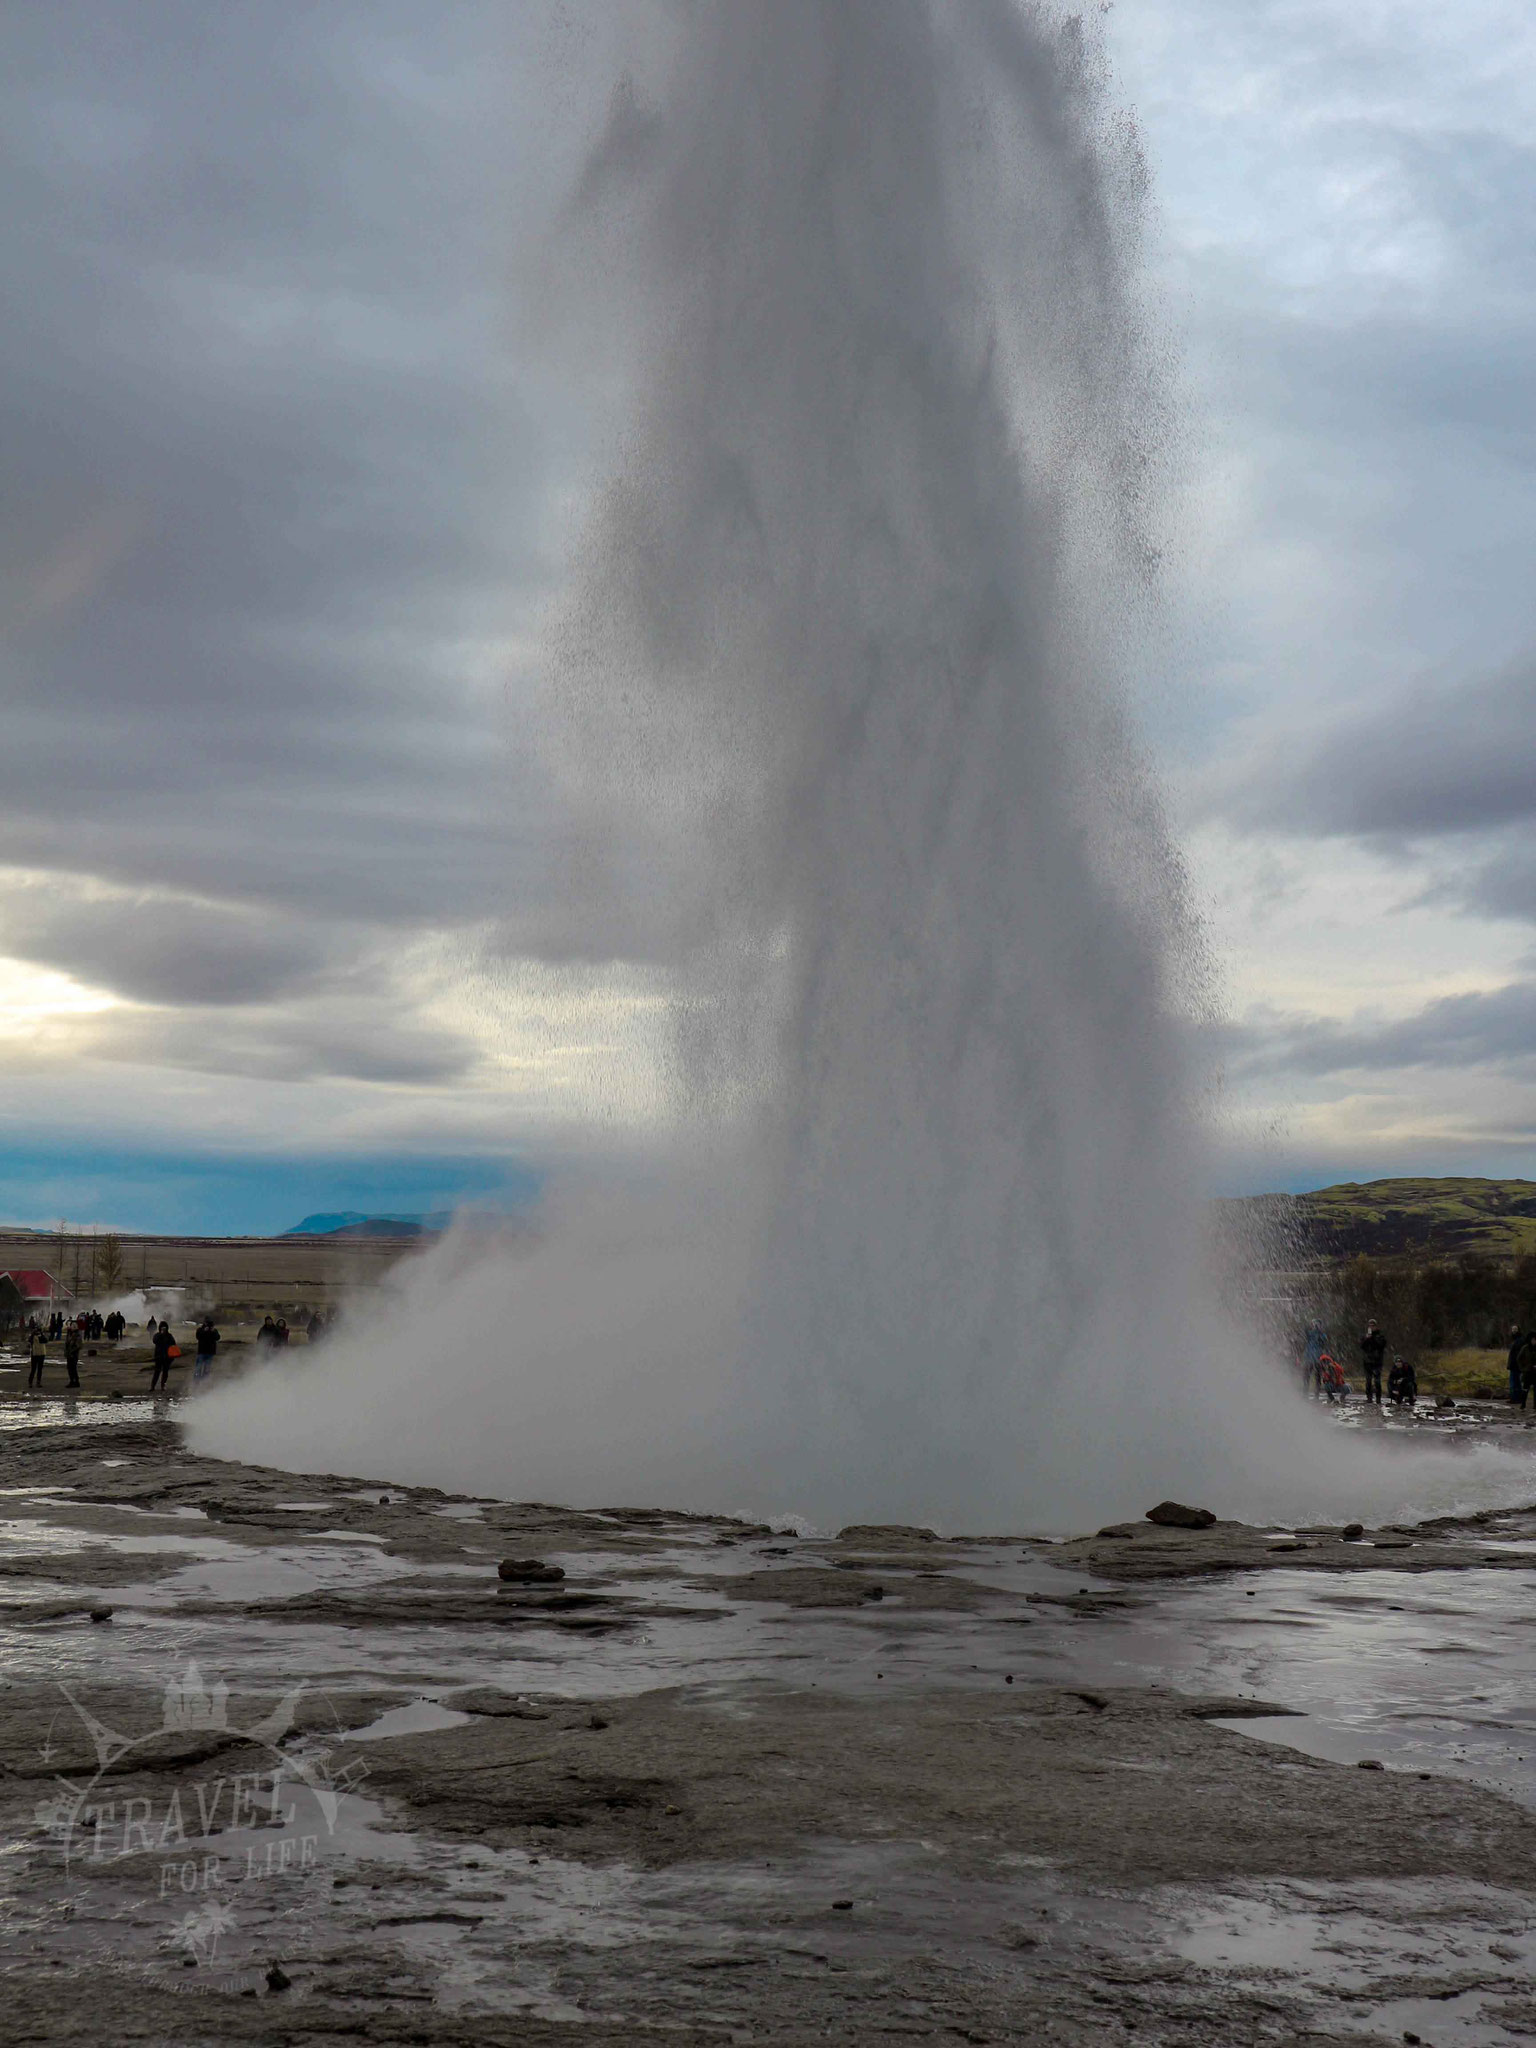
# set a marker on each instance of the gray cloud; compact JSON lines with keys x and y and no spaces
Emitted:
{"x":166,"y":950}
{"x":1502,"y":885}
{"x":259,"y":1045}
{"x":1431,"y":761}
{"x":272,"y":497}
{"x":280,"y":474}
{"x":1494,"y":1028}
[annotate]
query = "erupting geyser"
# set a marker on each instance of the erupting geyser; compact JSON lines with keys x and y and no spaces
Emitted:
{"x":838,"y":668}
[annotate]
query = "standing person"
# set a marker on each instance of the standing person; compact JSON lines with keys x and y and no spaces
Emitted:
{"x":1373,"y":1348}
{"x":72,"y":1353}
{"x":1317,"y":1344}
{"x":207,"y":1348}
{"x":165,"y":1345}
{"x":38,"y":1355}
{"x":280,"y":1334}
{"x":1518,"y":1342}
{"x":266,"y":1336}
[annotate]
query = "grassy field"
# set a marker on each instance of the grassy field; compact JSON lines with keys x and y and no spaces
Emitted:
{"x":1468,"y":1374}
{"x":1424,"y":1219}
{"x":243,"y":1275}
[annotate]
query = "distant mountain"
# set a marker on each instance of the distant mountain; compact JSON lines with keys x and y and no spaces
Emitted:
{"x":1421,"y":1219}
{"x":352,"y":1223}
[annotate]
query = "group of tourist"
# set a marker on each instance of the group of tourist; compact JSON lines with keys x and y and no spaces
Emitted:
{"x":37,"y":1350}
{"x":167,"y":1351}
{"x":91,"y":1323}
{"x":75,"y":1332}
{"x":274,"y":1333}
{"x":1323,"y":1378}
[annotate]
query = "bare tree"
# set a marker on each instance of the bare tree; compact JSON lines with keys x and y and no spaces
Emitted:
{"x":110,"y":1253}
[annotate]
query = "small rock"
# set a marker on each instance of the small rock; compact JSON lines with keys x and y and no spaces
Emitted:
{"x":842,"y":1905}
{"x":1369,"y":1763}
{"x":597,"y":1721}
{"x":1445,"y":1401}
{"x":1172,"y":1514}
{"x":101,"y":1614}
{"x":529,"y":1571}
{"x":874,"y":1592}
{"x":1352,"y":1532}
{"x":1412,"y":2040}
{"x":278,"y":1978}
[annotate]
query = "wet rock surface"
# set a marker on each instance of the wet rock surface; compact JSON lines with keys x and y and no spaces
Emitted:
{"x":1125,"y":1785}
{"x":336,"y":1779}
{"x":843,"y":1585}
{"x":1145,"y":1550}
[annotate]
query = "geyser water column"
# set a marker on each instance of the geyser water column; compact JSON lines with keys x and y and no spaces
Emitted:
{"x":881,"y":526}
{"x":837,"y":678}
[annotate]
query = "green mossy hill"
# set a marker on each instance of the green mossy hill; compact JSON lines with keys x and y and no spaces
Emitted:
{"x":1420,"y":1219}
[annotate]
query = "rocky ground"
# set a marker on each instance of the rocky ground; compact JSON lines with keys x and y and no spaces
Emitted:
{"x":289,"y":1759}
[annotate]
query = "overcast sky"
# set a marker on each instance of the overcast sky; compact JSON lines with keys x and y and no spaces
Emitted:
{"x":284,"y":501}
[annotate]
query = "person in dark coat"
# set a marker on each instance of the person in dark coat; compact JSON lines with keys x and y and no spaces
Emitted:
{"x":72,"y":1353}
{"x":164,"y":1344}
{"x":1373,"y":1348}
{"x":1519,"y":1344}
{"x":207,"y":1348}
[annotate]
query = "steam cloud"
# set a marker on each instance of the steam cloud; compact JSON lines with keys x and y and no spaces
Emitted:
{"x":835,"y":685}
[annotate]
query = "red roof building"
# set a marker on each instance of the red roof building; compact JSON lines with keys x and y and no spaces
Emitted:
{"x":37,"y":1288}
